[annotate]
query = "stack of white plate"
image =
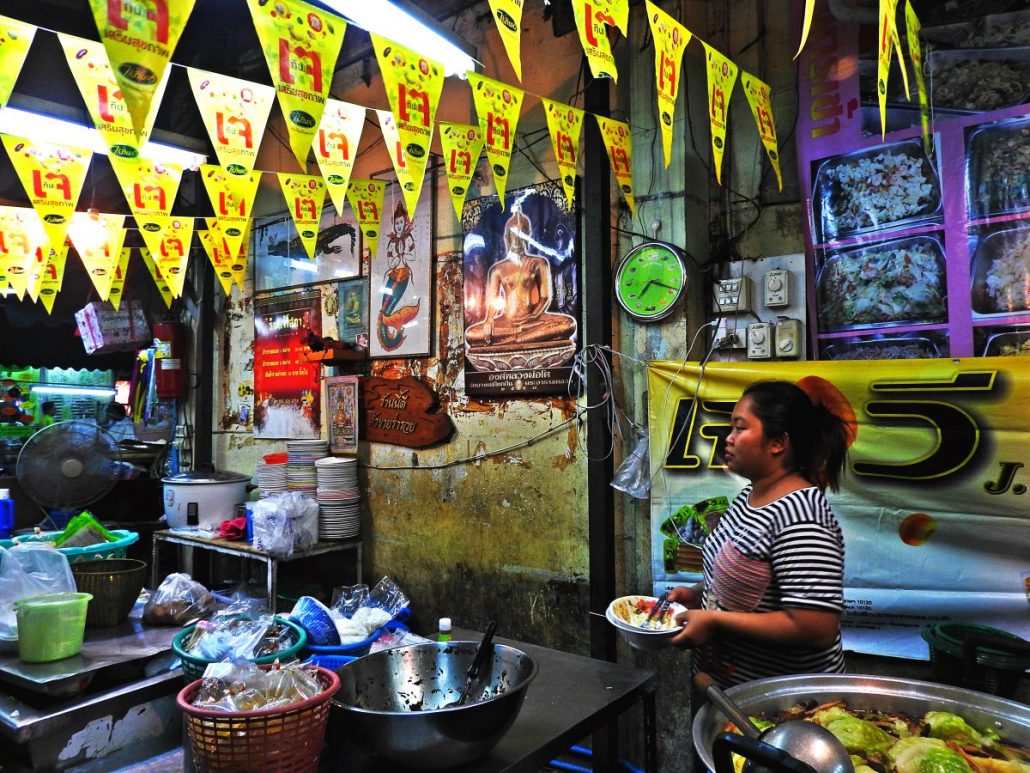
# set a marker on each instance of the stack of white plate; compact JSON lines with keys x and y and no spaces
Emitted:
{"x":300,"y":467}
{"x":339,"y":501}
{"x":271,"y":478}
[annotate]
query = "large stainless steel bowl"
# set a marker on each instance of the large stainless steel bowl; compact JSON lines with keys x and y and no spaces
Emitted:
{"x":395,"y":702}
{"x":1010,"y":719}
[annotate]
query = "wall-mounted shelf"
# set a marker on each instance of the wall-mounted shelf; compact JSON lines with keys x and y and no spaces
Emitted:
{"x":335,"y":356}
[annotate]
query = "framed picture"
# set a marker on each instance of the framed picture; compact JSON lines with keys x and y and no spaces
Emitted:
{"x":342,"y":414}
{"x":281,"y":261}
{"x":353,"y":314}
{"x":521,"y":292}
{"x":401,"y":279}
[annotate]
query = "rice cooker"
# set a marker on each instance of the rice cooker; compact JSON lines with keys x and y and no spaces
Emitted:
{"x":213,"y":495}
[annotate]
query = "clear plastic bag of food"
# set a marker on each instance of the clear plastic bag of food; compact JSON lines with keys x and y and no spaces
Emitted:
{"x":227,"y":638}
{"x":242,"y":686}
{"x":347,"y":598}
{"x":285,"y":524}
{"x":178,"y":600}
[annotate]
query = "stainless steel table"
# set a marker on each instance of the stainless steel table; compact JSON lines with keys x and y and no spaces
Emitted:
{"x":571,"y":697}
{"x":246,"y":550}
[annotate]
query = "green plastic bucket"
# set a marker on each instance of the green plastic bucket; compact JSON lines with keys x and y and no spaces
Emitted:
{"x":51,"y":627}
{"x":977,"y":657}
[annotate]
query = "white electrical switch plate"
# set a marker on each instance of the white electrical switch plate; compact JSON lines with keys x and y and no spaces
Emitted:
{"x":733,"y":295}
{"x":788,"y":338}
{"x":777,"y":288}
{"x":759,"y":341}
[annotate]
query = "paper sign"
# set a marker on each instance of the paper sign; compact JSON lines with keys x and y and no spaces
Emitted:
{"x":758,"y":97}
{"x":15,"y":41}
{"x":53,"y":276}
{"x":35,"y":272}
{"x":366,"y":199}
{"x":301,"y":44}
{"x":915,"y":53}
{"x":806,"y":25}
{"x":619,"y":144}
{"x":722,"y":76}
{"x":304,"y":194}
{"x":498,"y":106}
{"x":139,"y":38}
{"x":98,"y":239}
{"x":508,"y":17}
{"x":217,"y":251}
{"x":232,"y":201}
{"x":886,"y":44}
{"x":336,"y":147}
{"x":670,"y":38}
{"x":413,"y":84}
{"x":52,"y":176}
{"x":593,"y":18}
{"x":565,"y":124}
{"x":155,"y":274}
{"x":114,"y":295}
{"x":21,"y":234}
{"x":462,"y":146}
{"x":150,"y":188}
{"x":173,"y":256}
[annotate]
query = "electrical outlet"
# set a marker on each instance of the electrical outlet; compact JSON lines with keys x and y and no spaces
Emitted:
{"x":777,"y":288}
{"x":788,"y":338}
{"x":732,"y":295}
{"x":759,"y":341}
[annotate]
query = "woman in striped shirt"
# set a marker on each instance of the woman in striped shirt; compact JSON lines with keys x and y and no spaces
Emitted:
{"x":772,"y":593}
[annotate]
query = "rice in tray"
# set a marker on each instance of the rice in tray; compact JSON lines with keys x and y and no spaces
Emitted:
{"x":883,"y":285}
{"x":873,"y":191}
{"x":1008,"y":278}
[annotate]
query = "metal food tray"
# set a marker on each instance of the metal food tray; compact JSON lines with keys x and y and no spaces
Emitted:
{"x":990,"y":248}
{"x":1019,"y":57}
{"x":825,"y":191}
{"x":830,"y":267}
{"x":1016,"y":338}
{"x":986,"y":194}
{"x":838,"y":349}
{"x":949,"y":36}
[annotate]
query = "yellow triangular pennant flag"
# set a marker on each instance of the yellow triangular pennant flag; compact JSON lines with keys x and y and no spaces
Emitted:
{"x":235,"y":113}
{"x":806,"y":25}
{"x":88,"y":62}
{"x":592,"y":22}
{"x":217,"y":252}
{"x":15,"y":41}
{"x":413,"y":85}
{"x":565,"y":124}
{"x":37,"y":271}
{"x":52,"y":176}
{"x":366,"y":199}
{"x":98,"y":239}
{"x":508,"y":16}
{"x":301,"y":44}
{"x":139,"y":38}
{"x":915,"y":53}
{"x":305,"y":195}
{"x":670,"y":38}
{"x":155,"y":274}
{"x":121,"y":267}
{"x":173,"y":257}
{"x":21,"y":234}
{"x":887,"y":43}
{"x":619,"y":143}
{"x":722,"y":77}
{"x":150,"y":189}
{"x":758,"y":97}
{"x":336,"y":147}
{"x":53,"y":276}
{"x":232,"y":201}
{"x":239,"y":263}
{"x":462,"y":146}
{"x":498,"y":107}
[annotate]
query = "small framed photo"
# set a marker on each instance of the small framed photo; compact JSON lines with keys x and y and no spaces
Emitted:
{"x":353,"y":314}
{"x":342,"y":414}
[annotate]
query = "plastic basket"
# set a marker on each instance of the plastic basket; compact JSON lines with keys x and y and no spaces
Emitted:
{"x":977,"y":657}
{"x":356,"y":649}
{"x":115,"y":584}
{"x":50,"y":627}
{"x":115,"y":549}
{"x":194,"y":667}
{"x":285,"y":738}
{"x":332,"y":662}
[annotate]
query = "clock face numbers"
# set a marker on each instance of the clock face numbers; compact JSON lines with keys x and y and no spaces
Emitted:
{"x":649,"y":281}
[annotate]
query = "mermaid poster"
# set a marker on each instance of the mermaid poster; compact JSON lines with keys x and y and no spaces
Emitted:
{"x":401,"y":275}
{"x":521,"y":297}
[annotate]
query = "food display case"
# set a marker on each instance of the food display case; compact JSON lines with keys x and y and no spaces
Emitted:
{"x":998,"y":168}
{"x":1000,"y":271}
{"x":886,"y":347}
{"x":1012,"y":342}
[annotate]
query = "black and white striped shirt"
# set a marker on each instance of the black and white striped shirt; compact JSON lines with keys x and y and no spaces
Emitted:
{"x":788,"y":553}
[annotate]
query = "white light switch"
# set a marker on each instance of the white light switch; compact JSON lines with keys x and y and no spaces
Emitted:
{"x":733,"y":295}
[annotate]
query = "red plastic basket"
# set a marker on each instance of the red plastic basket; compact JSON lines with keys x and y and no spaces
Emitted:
{"x":285,"y":738}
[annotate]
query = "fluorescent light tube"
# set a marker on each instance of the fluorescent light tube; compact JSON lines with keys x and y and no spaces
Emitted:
{"x":304,"y":265}
{"x":411,"y":28}
{"x":81,"y":391}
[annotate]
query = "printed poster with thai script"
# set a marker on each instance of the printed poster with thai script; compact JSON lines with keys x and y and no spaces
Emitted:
{"x":462,"y":145}
{"x":670,"y":38}
{"x":498,"y":106}
{"x":336,"y":147}
{"x":565,"y":125}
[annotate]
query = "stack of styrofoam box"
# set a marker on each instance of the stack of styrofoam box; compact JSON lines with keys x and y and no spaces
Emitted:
{"x":105,"y":330}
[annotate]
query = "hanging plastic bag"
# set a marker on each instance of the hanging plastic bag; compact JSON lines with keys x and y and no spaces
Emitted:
{"x":634,"y":474}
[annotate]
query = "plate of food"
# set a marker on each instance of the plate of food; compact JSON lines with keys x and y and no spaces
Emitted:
{"x":629,"y":614}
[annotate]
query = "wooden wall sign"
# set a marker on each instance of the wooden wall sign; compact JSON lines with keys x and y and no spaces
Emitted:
{"x":402,"y":412}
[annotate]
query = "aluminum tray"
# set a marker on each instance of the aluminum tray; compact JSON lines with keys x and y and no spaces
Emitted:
{"x":992,"y":247}
{"x":827,"y":296}
{"x":829,"y":196}
{"x":1005,"y":188}
{"x":955,"y":35}
{"x":942,"y":66}
{"x":1019,"y":339}
{"x":839,"y":350}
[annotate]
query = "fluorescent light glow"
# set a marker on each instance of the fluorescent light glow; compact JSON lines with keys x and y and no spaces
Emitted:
{"x":45,"y":128}
{"x":304,"y":265}
{"x":80,"y":391}
{"x":411,"y":29}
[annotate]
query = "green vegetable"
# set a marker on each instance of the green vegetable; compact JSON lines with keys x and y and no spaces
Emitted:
{"x":860,"y":736}
{"x":926,"y":755}
{"x":826,"y":716}
{"x":951,"y":727}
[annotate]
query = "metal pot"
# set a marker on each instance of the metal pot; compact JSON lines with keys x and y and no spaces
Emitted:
{"x":1010,"y":719}
{"x":213,"y":495}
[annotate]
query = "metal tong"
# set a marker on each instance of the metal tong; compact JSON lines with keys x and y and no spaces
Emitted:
{"x":658,"y":611}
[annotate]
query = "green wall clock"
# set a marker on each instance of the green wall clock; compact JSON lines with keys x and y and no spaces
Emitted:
{"x":649,"y":280}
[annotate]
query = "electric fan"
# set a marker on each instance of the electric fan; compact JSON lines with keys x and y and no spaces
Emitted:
{"x":66,"y":466}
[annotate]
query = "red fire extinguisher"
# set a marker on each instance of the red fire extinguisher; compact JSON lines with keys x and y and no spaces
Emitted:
{"x":171,"y":368}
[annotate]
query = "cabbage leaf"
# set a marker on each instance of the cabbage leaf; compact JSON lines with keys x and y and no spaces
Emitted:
{"x":927,"y":755}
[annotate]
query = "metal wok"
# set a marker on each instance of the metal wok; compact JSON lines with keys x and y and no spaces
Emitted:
{"x":1010,"y":719}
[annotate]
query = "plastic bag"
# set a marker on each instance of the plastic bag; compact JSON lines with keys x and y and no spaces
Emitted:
{"x":634,"y":474}
{"x":242,"y":686}
{"x":359,"y":612}
{"x":178,"y":600}
{"x":347,"y":598}
{"x":82,"y":531}
{"x":285,"y":523}
{"x":230,"y":638}
{"x":30,"y":569}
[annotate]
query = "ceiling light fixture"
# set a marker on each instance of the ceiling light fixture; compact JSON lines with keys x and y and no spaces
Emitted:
{"x":80,"y":391}
{"x":405,"y":24}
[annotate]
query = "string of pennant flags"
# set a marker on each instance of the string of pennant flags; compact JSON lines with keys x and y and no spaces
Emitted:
{"x":122,"y":80}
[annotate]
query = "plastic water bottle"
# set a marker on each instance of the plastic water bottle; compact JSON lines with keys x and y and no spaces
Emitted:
{"x":6,"y":514}
{"x":444,"y":630}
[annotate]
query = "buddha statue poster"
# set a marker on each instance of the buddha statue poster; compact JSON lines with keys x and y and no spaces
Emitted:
{"x":521,"y":294}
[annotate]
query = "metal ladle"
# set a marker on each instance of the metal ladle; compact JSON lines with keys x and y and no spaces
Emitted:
{"x":484,"y":648}
{"x":806,"y":742}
